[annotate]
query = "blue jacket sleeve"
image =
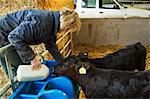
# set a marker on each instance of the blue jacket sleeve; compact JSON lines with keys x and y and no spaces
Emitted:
{"x":53,"y":49}
{"x":21,"y":37}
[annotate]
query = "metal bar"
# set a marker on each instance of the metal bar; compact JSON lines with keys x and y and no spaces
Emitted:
{"x":6,"y":48}
{"x":10,"y":74}
{"x":4,"y":51}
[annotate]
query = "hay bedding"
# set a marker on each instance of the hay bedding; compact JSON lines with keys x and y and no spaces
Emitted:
{"x":8,"y":6}
{"x":3,"y":79}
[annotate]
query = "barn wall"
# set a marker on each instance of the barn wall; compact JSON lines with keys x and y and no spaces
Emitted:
{"x":96,"y":32}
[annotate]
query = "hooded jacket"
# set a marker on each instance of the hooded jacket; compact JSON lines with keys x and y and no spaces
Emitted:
{"x":30,"y":27}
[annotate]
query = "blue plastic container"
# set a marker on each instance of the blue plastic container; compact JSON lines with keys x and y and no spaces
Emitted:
{"x":50,"y":64}
{"x":58,"y":87}
{"x":63,"y":84}
{"x":50,"y":88}
{"x":54,"y":94}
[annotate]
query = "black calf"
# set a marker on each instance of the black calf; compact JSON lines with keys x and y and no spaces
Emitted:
{"x":130,"y":58}
{"x":108,"y":83}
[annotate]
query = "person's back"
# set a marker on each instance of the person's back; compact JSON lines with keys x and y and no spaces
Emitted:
{"x":10,"y":21}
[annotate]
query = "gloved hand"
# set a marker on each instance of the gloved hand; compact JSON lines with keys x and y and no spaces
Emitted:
{"x":35,"y":63}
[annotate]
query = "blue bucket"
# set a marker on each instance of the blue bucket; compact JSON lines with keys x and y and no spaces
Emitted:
{"x":62,"y":83}
{"x":54,"y":94}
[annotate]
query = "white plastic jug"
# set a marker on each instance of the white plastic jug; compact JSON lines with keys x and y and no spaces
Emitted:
{"x":25,"y":73}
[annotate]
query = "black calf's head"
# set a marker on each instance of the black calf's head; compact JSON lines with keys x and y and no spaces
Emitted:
{"x":65,"y":65}
{"x":83,"y":56}
{"x":72,"y":70}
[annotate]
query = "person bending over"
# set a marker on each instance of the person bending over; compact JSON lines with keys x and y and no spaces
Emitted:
{"x":32,"y":27}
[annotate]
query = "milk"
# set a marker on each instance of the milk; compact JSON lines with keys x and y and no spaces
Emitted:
{"x":25,"y":73}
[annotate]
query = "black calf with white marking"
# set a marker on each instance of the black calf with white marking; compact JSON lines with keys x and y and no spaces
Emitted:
{"x":107,"y":83}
